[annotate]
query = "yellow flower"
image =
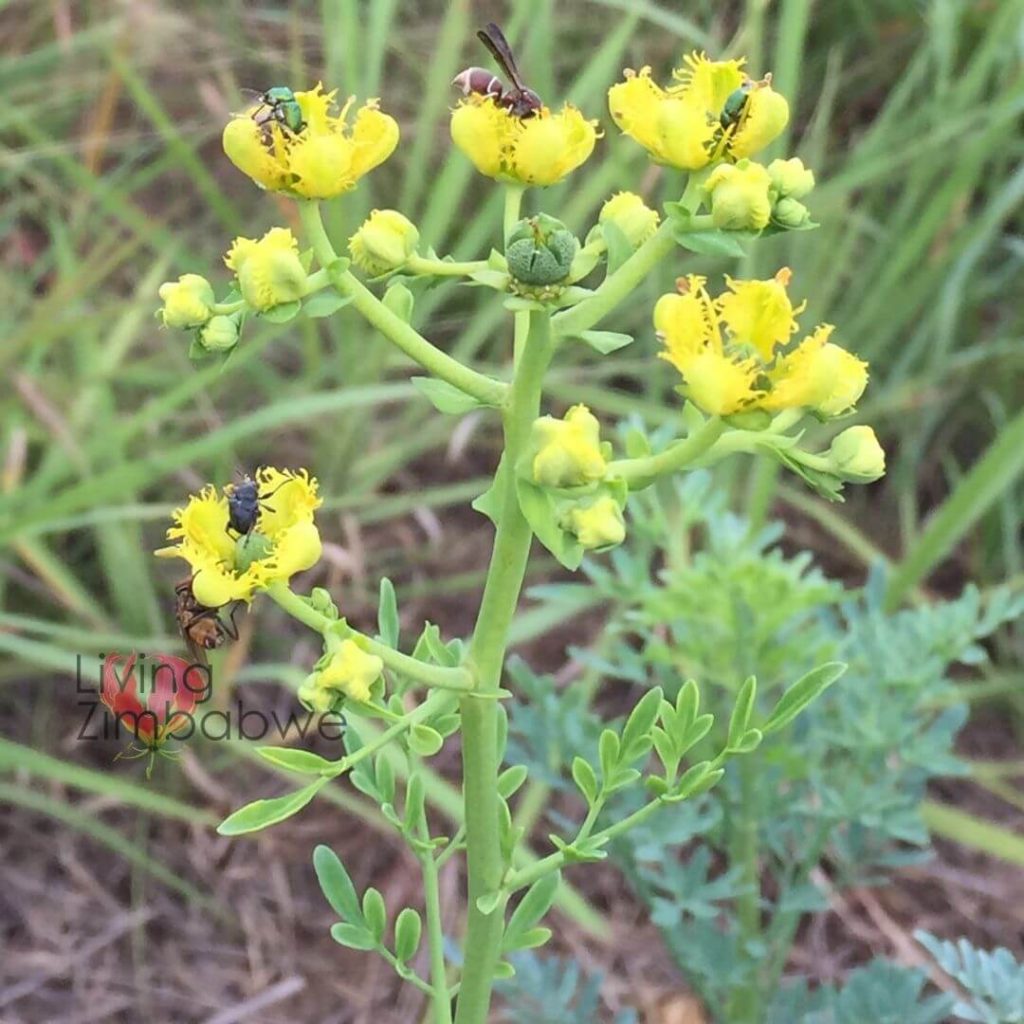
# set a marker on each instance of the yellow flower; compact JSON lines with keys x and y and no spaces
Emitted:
{"x":760,"y":313}
{"x":631,"y":215}
{"x":351,"y":671}
{"x":187,"y":301}
{"x":384,"y":241}
{"x":739,"y":196}
{"x":568,"y":451}
{"x":731,"y":351}
{"x":857,"y":456}
{"x":269,"y":269}
{"x":765,"y":115}
{"x":691,"y":122}
{"x":284,"y":540}
{"x":818,"y":375}
{"x":537,"y":150}
{"x":598,"y":524}
{"x":326,"y":157}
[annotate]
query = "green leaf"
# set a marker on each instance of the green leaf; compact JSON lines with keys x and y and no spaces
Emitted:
{"x":708,"y":243}
{"x":585,"y":778}
{"x":636,"y":733}
{"x":801,"y":693}
{"x":375,"y":913}
{"x":325,"y":303}
{"x":749,"y":741}
{"x":530,"y":939}
{"x":511,"y":779}
{"x":687,"y":706}
{"x":263,"y":813}
{"x":282,"y":313}
{"x":605,"y":341}
{"x":489,"y":902}
{"x":304,"y":761}
{"x":696,"y":779}
{"x":697,"y":731}
{"x":352,"y":935}
{"x":739,"y":720}
{"x":532,"y":908}
{"x":538,"y":507}
{"x":608,"y":751}
{"x":499,"y":280}
{"x":445,"y":397}
{"x":387,"y":614}
{"x":415,"y":813}
{"x":425,"y":741}
{"x":489,"y":503}
{"x":503,"y":969}
{"x":399,"y":300}
{"x":619,"y":249}
{"x":336,"y":884}
{"x":408,"y":931}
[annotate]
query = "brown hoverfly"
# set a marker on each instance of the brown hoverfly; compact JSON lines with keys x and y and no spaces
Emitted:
{"x":517,"y":98}
{"x":201,"y":627}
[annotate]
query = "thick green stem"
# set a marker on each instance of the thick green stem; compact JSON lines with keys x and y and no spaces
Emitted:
{"x":443,"y":268}
{"x":480,"y":754}
{"x":393,"y":327}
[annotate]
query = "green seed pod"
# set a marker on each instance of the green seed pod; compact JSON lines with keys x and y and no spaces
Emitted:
{"x":540,"y":251}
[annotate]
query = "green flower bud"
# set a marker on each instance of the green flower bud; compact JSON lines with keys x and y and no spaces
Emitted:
{"x":739,"y":196}
{"x":857,"y":456}
{"x":790,"y":179}
{"x":219,"y":334}
{"x":187,"y":301}
{"x":598,"y":524}
{"x":540,"y":250}
{"x":384,"y":242}
{"x":790,"y":213}
{"x":631,"y":215}
{"x":320,"y":600}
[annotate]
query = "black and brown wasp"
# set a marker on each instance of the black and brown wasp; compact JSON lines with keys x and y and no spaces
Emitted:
{"x":201,"y":627}
{"x":519,"y":100}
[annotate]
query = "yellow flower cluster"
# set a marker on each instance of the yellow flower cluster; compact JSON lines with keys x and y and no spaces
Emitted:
{"x":323,"y":159}
{"x":711,"y":111}
{"x":226,"y":567}
{"x":734,"y":352}
{"x":537,"y":150}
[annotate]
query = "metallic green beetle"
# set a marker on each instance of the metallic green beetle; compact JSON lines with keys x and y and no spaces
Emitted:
{"x":734,"y":104}
{"x":278,"y":104}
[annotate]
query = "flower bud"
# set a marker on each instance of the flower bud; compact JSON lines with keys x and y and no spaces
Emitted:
{"x":269,"y":270}
{"x":320,"y":600}
{"x":598,"y":524}
{"x":317,"y":698}
{"x":631,"y":215}
{"x":187,"y":301}
{"x":384,"y":242}
{"x":790,"y":179}
{"x":351,"y":671}
{"x":790,"y":213}
{"x":219,"y":334}
{"x":857,"y":456}
{"x":540,"y":250}
{"x":739,"y":196}
{"x":568,"y":451}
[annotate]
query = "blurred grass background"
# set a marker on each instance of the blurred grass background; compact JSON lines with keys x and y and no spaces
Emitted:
{"x":112,"y":178}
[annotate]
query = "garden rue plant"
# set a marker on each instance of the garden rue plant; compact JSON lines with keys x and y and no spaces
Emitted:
{"x":745,"y":386}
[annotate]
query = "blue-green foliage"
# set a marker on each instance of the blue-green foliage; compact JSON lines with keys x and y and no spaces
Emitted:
{"x":993,"y":981}
{"x":695,"y":593}
{"x":550,"y":990}
{"x":881,"y":993}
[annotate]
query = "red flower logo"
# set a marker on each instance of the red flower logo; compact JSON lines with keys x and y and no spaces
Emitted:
{"x":152,"y":700}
